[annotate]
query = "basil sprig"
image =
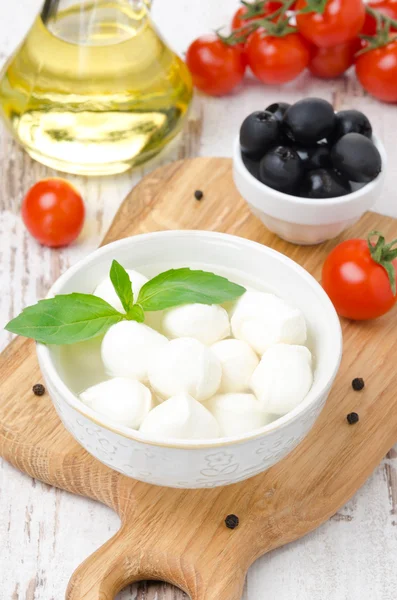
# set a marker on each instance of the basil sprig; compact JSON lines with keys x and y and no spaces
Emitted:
{"x":65,"y":319}
{"x":122,"y":285}
{"x":184,"y":286}
{"x":71,"y":318}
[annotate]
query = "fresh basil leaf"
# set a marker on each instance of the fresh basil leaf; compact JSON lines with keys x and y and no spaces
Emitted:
{"x":185,"y":286}
{"x":136,"y":314}
{"x":122,"y":285}
{"x":65,"y":319}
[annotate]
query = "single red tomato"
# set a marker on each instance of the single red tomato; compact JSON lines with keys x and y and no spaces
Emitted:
{"x":359,"y":287}
{"x":385,"y":7}
{"x":53,"y":212}
{"x":263,"y":11}
{"x":274,"y":59}
{"x":332,"y":62}
{"x":377,"y":72}
{"x":341,"y":21}
{"x":216,"y":67}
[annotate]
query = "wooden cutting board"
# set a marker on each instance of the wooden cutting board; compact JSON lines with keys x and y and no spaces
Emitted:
{"x":179,"y":536}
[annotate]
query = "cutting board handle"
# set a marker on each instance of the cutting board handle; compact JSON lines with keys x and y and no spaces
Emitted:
{"x":123,"y":560}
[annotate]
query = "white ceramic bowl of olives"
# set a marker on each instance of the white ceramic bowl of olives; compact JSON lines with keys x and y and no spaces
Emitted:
{"x":307,"y":172}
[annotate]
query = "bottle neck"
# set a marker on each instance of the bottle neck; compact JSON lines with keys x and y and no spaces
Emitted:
{"x":52,"y":7}
{"x":49,"y":10}
{"x":95,"y":22}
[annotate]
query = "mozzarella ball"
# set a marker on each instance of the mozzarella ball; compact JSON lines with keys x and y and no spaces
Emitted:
{"x":237,"y":414}
{"x":283,"y":378}
{"x":205,"y":323}
{"x":262,"y":320}
{"x":238,"y":362}
{"x":185,"y":366}
{"x":180,"y":417}
{"x":128,"y":347}
{"x":106,"y":291}
{"x":123,"y":400}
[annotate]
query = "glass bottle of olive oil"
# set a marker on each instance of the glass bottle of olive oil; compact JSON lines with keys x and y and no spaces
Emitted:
{"x":93,"y":89}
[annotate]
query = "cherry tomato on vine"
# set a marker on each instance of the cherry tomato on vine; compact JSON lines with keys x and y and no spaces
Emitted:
{"x":356,"y":280}
{"x":386,"y":7}
{"x":377,"y":72}
{"x":267,"y":9}
{"x":216,"y":67}
{"x":53,"y":212}
{"x":341,"y":21}
{"x":274,"y":59}
{"x":332,"y":62}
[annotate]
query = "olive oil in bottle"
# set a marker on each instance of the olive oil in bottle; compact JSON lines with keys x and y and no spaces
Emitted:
{"x":93,"y":89}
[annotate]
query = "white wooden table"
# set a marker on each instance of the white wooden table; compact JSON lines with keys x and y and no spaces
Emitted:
{"x":45,"y":533}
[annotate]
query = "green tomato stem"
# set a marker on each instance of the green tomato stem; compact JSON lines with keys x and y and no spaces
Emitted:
{"x":279,"y":28}
{"x":384,"y":254}
{"x":316,"y":6}
{"x":382,"y":36}
{"x":379,"y":17}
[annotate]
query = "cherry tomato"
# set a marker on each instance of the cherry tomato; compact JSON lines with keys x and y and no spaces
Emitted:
{"x":358,"y":286}
{"x":386,"y":7}
{"x":276,"y":60}
{"x":377,"y":72}
{"x":267,"y":9}
{"x":341,"y":21}
{"x":216,"y":67}
{"x":332,"y":62}
{"x":53,"y":212}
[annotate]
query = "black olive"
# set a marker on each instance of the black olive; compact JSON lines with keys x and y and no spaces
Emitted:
{"x":281,"y":169}
{"x":351,"y":121}
{"x":309,"y":121}
{"x":324,"y":183}
{"x":251,"y":165}
{"x":314,"y":157}
{"x":259,"y":132}
{"x":278,"y":109}
{"x":357,"y":158}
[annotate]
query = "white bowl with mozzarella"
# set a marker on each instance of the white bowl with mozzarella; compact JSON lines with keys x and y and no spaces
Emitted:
{"x":232,"y":454}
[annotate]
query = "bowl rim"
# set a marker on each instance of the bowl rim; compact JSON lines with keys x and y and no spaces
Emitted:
{"x":50,"y":372}
{"x":311,"y":202}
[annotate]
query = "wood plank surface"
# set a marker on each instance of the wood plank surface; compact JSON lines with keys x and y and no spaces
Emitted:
{"x":35,"y":520}
{"x":179,"y":535}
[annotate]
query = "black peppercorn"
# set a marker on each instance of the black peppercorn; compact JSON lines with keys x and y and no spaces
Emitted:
{"x":352,"y":418}
{"x":232,"y":521}
{"x":38,"y":389}
{"x":358,"y":384}
{"x":198,"y":194}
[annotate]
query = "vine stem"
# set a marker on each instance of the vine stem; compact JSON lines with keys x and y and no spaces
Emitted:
{"x":379,"y":17}
{"x":279,"y":28}
{"x":382,"y":36}
{"x":286,"y":5}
